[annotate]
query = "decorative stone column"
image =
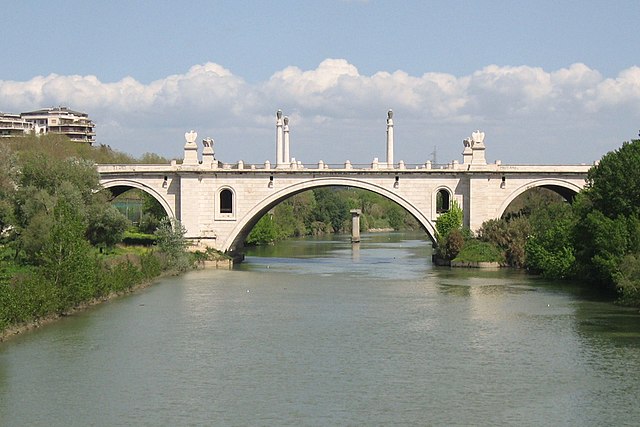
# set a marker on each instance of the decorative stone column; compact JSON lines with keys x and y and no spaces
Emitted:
{"x":285,"y":157}
{"x":390,"y":139}
{"x":355,"y":225}
{"x":190,"y":149}
{"x":279,"y":139}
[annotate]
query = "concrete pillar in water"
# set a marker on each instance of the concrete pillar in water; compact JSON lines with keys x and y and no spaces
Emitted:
{"x":355,"y":225}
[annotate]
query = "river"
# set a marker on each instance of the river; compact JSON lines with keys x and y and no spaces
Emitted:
{"x":315,"y":332}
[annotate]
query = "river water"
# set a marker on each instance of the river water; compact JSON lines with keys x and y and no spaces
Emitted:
{"x":317,"y":332}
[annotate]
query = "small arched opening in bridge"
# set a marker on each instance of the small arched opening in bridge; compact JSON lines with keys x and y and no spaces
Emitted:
{"x":226,"y":201}
{"x":151,"y":207}
{"x":538,"y":192}
{"x":236,"y":239}
{"x":443,"y":200}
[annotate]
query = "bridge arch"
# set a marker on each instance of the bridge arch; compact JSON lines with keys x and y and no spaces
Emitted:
{"x":119,"y":186}
{"x":566,"y":189}
{"x":242,"y":229}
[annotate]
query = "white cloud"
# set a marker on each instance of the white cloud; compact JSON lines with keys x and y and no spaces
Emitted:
{"x":336,"y":111}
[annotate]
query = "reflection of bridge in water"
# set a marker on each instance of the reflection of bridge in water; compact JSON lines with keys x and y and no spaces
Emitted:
{"x":219,"y":203}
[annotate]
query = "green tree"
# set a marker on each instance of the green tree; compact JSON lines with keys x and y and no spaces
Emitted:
{"x":607,"y":231}
{"x":67,"y":259}
{"x":170,"y":238}
{"x":613,"y":185}
{"x":8,"y":172}
{"x":450,"y":220}
{"x":264,"y":232}
{"x":332,"y":209}
{"x":106,"y":226}
{"x":549,"y":248}
{"x":449,"y":238}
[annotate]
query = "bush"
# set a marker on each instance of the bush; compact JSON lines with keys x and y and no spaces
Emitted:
{"x":478,"y":251}
{"x":628,"y":283}
{"x":138,"y":239}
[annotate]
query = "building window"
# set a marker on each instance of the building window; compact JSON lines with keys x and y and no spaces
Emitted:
{"x":226,"y":201}
{"x":443,"y":201}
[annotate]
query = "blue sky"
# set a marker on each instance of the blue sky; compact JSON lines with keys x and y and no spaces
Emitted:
{"x":548,"y":81}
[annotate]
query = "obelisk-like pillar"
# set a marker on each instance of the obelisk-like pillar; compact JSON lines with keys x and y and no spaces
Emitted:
{"x":390,"y":139}
{"x":279,"y":139}
{"x":286,"y":158}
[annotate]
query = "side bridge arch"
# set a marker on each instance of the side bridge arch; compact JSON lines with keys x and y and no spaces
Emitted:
{"x":119,"y":186}
{"x":565,"y":188}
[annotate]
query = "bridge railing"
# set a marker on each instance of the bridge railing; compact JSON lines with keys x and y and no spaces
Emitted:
{"x":346,"y":166}
{"x":335,"y":166}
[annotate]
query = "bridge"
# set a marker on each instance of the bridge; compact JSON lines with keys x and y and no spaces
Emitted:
{"x":219,"y":203}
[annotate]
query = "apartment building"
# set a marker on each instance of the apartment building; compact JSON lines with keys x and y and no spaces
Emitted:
{"x":13,"y":125}
{"x":74,"y":124}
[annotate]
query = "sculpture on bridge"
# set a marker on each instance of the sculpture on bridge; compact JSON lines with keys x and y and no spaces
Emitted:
{"x":191,"y":137}
{"x":207,"y":143}
{"x":477,"y":137}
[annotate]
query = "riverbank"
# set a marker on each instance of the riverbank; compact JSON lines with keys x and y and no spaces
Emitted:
{"x":18,"y":329}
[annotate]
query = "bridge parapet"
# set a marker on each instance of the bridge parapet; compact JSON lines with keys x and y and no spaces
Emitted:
{"x":330,"y":168}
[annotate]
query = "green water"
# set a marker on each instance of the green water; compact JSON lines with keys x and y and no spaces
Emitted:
{"x":317,"y":332}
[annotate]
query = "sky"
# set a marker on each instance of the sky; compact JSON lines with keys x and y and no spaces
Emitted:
{"x":549,"y":82}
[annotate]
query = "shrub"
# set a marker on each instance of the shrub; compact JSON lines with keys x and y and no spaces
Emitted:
{"x":479,"y":251}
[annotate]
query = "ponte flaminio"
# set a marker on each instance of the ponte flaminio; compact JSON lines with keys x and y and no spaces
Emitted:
{"x":219,"y":203}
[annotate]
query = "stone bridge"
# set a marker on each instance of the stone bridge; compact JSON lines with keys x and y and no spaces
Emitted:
{"x":219,"y":203}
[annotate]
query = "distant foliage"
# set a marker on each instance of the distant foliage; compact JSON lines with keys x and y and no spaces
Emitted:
{"x":326,"y":210}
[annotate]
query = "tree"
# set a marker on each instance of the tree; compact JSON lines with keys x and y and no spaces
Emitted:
{"x":450,"y":220}
{"x":8,"y":173}
{"x":613,"y":185}
{"x":171,"y":242}
{"x":331,"y":208}
{"x":66,"y":257}
{"x":449,"y":238}
{"x":607,"y":231}
{"x":106,"y":226}
{"x":264,"y":232}
{"x":549,"y":248}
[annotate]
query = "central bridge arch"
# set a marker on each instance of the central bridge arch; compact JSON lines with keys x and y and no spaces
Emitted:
{"x":241,"y":230}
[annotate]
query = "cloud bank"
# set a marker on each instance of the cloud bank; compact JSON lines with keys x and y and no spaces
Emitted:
{"x":530,"y":115}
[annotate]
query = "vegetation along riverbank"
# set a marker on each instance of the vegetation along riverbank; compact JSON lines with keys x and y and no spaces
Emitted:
{"x":59,"y":246}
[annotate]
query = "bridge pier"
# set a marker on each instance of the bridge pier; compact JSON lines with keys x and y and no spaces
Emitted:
{"x":355,"y":225}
